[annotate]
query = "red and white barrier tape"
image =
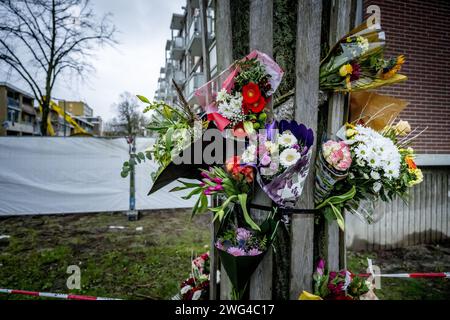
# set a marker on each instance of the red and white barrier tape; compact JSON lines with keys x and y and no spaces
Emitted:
{"x":53,"y":295}
{"x":408,"y":275}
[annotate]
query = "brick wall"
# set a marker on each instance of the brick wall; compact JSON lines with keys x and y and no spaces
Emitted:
{"x":421,"y":31}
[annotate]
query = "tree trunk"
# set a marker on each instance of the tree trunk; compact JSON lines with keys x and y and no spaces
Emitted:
{"x":45,"y":112}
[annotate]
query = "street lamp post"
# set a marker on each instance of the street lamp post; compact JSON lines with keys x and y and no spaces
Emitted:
{"x":132,"y":213}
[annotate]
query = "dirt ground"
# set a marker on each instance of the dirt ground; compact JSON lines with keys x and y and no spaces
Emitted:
{"x":118,"y":259}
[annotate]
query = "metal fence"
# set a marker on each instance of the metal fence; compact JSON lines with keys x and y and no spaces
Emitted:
{"x":424,"y":219}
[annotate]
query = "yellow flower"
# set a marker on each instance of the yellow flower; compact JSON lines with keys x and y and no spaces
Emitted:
{"x":345,"y":70}
{"x":402,"y":128}
{"x":350,"y":132}
{"x":418,"y":174}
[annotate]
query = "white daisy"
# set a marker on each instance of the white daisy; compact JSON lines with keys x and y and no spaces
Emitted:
{"x":287,"y":139}
{"x":289,"y":157}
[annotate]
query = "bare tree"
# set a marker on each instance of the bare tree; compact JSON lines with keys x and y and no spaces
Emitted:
{"x":42,"y":39}
{"x":129,"y":120}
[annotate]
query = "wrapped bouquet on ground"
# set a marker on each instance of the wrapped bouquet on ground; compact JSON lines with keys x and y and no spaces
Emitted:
{"x":341,"y":285}
{"x":196,"y":287}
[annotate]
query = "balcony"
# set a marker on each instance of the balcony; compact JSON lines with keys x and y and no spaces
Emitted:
{"x":178,"y":48}
{"x":13,"y":104}
{"x":195,"y":81}
{"x":194,"y":37}
{"x":179,"y":77}
{"x":19,"y":127}
{"x":177,"y":21}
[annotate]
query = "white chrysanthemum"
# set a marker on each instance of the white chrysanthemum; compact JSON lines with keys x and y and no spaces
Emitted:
{"x":222,"y":95}
{"x":289,"y":157}
{"x":287,"y":139}
{"x":379,"y":152}
{"x":249,"y":155}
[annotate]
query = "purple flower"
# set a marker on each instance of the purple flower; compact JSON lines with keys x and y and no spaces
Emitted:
{"x":254,"y":252}
{"x":265,"y":160}
{"x":207,"y":192}
{"x":218,"y":187}
{"x":237,"y":252}
{"x":242,"y":234}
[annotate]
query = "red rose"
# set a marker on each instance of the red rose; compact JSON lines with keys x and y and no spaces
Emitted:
{"x":257,"y":106}
{"x":251,"y":93}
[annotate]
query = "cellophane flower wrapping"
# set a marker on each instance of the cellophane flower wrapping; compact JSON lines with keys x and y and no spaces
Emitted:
{"x":284,"y":182}
{"x":356,"y":62}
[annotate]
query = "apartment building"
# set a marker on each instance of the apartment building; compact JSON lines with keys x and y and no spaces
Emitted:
{"x":184,"y":53}
{"x":17,"y":112}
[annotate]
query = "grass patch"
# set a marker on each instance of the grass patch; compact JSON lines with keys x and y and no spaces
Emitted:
{"x":114,"y":263}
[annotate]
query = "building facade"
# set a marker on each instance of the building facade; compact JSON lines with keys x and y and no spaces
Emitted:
{"x":184,"y":53}
{"x":17,"y":112}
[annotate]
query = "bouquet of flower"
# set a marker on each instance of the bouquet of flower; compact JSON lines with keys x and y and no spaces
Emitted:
{"x":236,"y":99}
{"x":381,"y":167}
{"x":281,"y":155}
{"x":356,"y":62}
{"x":196,"y":287}
{"x":232,"y":184}
{"x":241,"y":250}
{"x":341,"y":285}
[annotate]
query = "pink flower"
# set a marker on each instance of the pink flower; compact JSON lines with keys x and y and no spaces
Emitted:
{"x":237,"y":252}
{"x":218,"y":187}
{"x":254,"y":252}
{"x":265,"y":160}
{"x":320,"y":267}
{"x":344,"y":165}
{"x":217,"y":180}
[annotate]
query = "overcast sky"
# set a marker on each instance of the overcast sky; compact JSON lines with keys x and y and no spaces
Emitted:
{"x":134,"y":64}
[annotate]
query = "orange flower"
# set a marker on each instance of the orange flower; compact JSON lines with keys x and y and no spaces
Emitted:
{"x":410,"y":162}
{"x":251,"y":93}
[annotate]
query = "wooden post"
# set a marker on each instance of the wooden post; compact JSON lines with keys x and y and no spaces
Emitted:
{"x":224,"y":49}
{"x":261,"y":38}
{"x":340,"y":16}
{"x":205,"y":42}
{"x":306,"y":98}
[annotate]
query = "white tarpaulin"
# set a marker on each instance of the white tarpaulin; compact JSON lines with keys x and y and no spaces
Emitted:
{"x":40,"y":175}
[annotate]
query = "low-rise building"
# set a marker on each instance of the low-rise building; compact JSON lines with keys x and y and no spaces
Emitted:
{"x":17,"y":112}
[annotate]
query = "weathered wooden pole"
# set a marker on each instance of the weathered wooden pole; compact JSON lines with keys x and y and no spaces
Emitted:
{"x":224,"y":48}
{"x":340,"y":16}
{"x":261,"y":38}
{"x":307,"y":63}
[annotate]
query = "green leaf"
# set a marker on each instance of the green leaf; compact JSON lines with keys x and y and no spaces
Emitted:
{"x":124,"y":174}
{"x":193,"y":192}
{"x":143,"y":99}
{"x":339,"y":217}
{"x":141,"y":155}
{"x":243,"y":201}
